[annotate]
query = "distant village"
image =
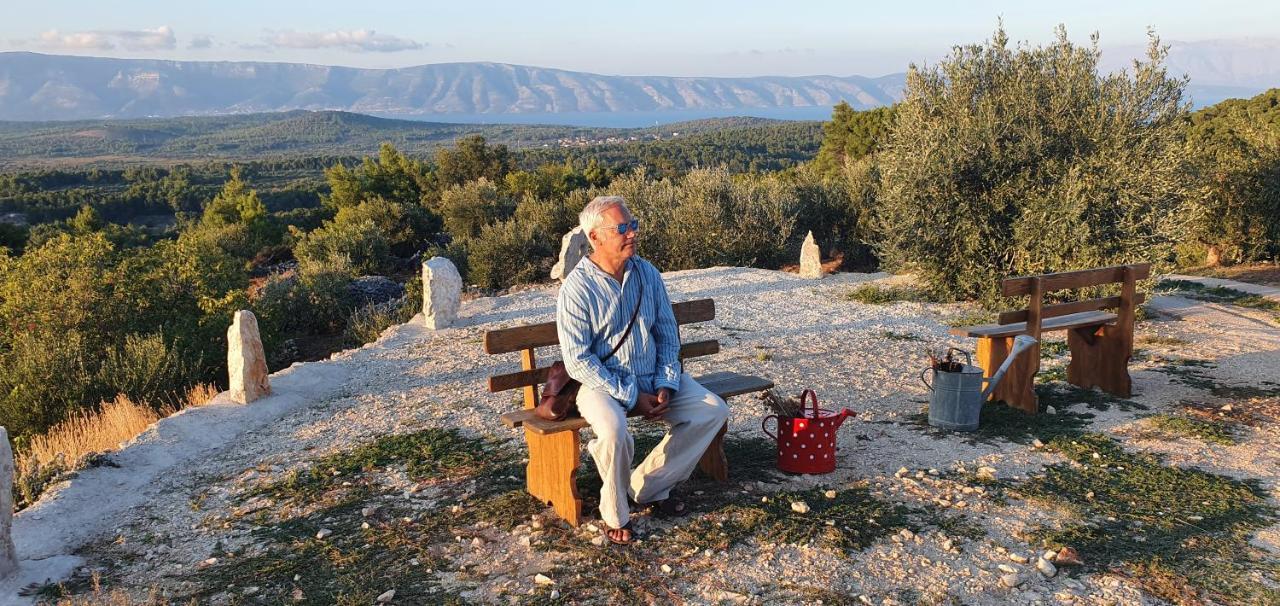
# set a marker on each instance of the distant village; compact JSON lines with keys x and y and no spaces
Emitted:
{"x":590,"y":141}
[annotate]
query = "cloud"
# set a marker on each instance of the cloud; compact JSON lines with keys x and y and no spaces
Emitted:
{"x":358,"y":40}
{"x":200,"y":42}
{"x":160,"y":38}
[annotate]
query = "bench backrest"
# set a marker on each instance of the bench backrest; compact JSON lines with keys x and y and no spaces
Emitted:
{"x":1037,"y":286}
{"x":525,"y":339}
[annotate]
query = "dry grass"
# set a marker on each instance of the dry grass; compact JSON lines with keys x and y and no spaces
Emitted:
{"x":66,"y":446}
{"x":95,"y":431}
{"x":200,"y":394}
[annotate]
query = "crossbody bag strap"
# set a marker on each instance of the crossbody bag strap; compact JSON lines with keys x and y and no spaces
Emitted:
{"x":635,"y":314}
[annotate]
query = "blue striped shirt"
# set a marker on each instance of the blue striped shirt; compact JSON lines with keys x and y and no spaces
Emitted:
{"x":592,"y":312}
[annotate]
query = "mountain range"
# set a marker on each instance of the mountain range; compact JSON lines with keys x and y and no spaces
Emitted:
{"x":56,"y":87}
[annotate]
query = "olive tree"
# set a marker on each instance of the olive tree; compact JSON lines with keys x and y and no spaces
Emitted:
{"x":1006,"y":161}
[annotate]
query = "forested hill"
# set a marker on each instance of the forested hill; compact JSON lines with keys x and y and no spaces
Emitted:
{"x":53,"y":87}
{"x":331,"y":133}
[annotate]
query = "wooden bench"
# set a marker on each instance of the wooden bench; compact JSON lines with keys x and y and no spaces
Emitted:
{"x":1100,"y":342}
{"x":555,"y":446}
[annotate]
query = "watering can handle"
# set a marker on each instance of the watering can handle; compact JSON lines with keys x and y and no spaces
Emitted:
{"x":766,"y":429}
{"x":967,"y":359}
{"x":812,"y":396}
{"x":924,"y":380}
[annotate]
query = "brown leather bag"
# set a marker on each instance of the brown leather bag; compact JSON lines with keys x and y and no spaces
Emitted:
{"x":560,"y":392}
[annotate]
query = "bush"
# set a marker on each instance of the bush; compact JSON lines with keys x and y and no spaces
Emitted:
{"x":357,"y":243}
{"x":1004,"y":162}
{"x":146,"y":369}
{"x":508,"y":253}
{"x":469,"y":207}
{"x":712,"y":217}
{"x":366,"y":323}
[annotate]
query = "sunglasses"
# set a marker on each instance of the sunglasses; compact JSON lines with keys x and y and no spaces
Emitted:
{"x":623,"y":228}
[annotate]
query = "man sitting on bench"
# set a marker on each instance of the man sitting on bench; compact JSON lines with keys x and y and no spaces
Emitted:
{"x":608,"y":292}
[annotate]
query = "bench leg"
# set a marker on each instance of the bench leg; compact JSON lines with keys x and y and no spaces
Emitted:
{"x":713,"y":462}
{"x":1100,"y":358}
{"x":1017,"y":389}
{"x":552,"y":472}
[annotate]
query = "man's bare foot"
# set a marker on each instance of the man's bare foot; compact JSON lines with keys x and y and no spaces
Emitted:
{"x":619,"y":536}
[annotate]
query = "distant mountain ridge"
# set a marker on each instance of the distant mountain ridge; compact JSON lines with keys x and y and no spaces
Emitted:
{"x":55,"y":87}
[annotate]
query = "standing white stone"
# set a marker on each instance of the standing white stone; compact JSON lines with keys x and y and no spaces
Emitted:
{"x":441,"y":292}
{"x":8,"y":556}
{"x":246,"y":362}
{"x":810,"y":258}
{"x":573,"y":247}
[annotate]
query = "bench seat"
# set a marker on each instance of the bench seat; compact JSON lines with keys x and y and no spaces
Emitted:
{"x":723,"y":384}
{"x":1067,"y":322}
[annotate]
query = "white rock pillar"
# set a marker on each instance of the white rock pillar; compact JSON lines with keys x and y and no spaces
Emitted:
{"x":441,"y":292}
{"x":810,"y":258}
{"x":246,"y":362}
{"x":8,"y":556}
{"x":573,"y":247}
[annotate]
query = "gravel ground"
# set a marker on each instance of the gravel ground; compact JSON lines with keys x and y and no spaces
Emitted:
{"x":414,"y":378}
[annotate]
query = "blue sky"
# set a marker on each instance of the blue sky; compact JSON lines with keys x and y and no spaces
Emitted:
{"x":704,"y":38}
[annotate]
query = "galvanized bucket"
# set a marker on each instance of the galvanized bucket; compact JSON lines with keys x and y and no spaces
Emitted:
{"x":955,"y":399}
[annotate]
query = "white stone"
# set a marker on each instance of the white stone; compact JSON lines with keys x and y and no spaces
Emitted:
{"x":810,"y":258}
{"x":1046,"y":568}
{"x":323,"y":533}
{"x":8,"y":556}
{"x":799,"y":507}
{"x":1011,"y":580}
{"x":542,"y":579}
{"x":573,"y":247}
{"x":441,"y":293}
{"x":246,"y":362}
{"x":386,"y":596}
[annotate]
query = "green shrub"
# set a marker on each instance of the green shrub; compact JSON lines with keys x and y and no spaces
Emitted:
{"x":1011,"y":162}
{"x":467,"y":208}
{"x":366,"y":323}
{"x":43,"y":379}
{"x":359,"y":244}
{"x":147,"y":369}
{"x":508,"y":253}
{"x":711,"y":217}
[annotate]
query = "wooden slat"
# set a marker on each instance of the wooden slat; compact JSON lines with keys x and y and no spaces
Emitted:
{"x":699,"y":348}
{"x":538,"y":376}
{"x":1063,"y":309}
{"x":1013,"y":287}
{"x":1088,"y":318}
{"x":507,"y":340}
{"x":723,"y":384}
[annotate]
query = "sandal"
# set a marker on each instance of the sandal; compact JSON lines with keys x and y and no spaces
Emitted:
{"x":669,"y":507}
{"x":631,"y":534}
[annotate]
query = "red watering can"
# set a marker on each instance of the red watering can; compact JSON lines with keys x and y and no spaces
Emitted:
{"x":807,"y":443}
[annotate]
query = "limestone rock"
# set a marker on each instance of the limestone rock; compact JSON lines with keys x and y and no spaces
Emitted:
{"x":573,"y":247}
{"x":441,"y":293}
{"x":8,"y":556}
{"x":246,"y":362}
{"x":810,"y":258}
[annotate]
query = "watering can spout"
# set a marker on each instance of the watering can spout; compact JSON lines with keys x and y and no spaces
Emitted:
{"x":1020,"y":344}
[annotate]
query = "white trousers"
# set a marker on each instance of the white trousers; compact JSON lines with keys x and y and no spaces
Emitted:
{"x":693,"y":419}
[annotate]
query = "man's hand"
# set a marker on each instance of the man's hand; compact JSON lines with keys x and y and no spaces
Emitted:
{"x":652,"y":406}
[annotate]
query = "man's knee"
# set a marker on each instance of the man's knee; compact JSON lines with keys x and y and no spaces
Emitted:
{"x":612,"y":431}
{"x":716,"y":411}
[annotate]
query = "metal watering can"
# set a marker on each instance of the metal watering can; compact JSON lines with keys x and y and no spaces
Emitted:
{"x":956,"y":398}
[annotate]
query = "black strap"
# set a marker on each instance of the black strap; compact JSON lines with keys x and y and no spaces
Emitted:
{"x":630,"y":324}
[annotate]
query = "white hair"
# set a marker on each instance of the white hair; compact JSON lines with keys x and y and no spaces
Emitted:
{"x":593,"y":214}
